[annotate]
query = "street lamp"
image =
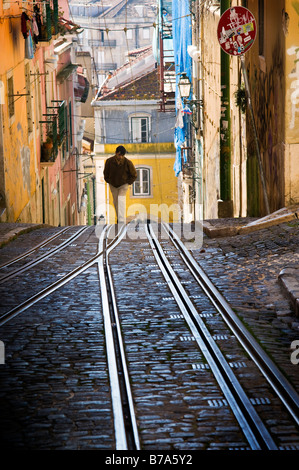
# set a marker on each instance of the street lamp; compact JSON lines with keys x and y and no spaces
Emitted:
{"x":184,"y":86}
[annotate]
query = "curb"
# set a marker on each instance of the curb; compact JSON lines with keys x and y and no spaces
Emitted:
{"x":289,"y":279}
{"x":12,"y":234}
{"x":279,"y":217}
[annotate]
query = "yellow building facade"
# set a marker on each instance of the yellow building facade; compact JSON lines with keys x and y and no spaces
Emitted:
{"x":17,"y":133}
{"x":127,"y":113}
{"x":158,"y":199}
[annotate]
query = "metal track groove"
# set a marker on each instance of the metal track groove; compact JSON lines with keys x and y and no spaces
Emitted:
{"x":51,"y":288}
{"x":253,"y":428}
{"x":275,"y":378}
{"x":42,"y":257}
{"x":125,"y":426}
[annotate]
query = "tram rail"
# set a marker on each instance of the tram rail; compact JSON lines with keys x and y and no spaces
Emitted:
{"x":126,"y":434}
{"x":276,"y":379}
{"x":4,"y":318}
{"x":126,"y":429}
{"x":41,"y":258}
{"x":35,"y":248}
{"x":255,"y":431}
{"x":125,"y":424}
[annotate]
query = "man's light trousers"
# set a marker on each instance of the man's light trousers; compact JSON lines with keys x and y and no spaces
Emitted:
{"x":119,"y":201}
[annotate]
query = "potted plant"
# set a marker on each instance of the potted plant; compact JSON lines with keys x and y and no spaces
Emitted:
{"x":47,"y":148}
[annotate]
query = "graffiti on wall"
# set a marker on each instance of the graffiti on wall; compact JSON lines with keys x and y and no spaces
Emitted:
{"x":294,"y":76}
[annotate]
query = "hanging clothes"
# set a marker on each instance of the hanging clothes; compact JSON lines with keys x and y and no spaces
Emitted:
{"x":38,"y":20}
{"x":24,"y":24}
{"x":35,"y":29}
{"x":29,"y":50}
{"x":182,"y":38}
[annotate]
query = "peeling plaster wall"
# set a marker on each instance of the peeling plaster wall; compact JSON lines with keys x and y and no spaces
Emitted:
{"x":211,"y":86}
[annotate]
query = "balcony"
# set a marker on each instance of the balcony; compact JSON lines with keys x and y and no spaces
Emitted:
{"x":56,"y":132}
{"x":49,"y":26}
{"x":106,"y":66}
{"x":108,"y":43}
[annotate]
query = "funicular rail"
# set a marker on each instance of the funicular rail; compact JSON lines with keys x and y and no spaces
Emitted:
{"x":41,"y":258}
{"x":255,"y":431}
{"x":275,"y":378}
{"x":125,"y":425}
{"x":35,"y":248}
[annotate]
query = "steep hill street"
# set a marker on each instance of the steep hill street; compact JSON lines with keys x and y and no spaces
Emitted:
{"x":55,"y":385}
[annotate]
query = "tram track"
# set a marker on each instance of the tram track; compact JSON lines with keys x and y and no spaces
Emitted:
{"x":41,"y":258}
{"x":4,"y":318}
{"x":125,"y":424}
{"x":270,"y":371}
{"x":35,"y":248}
{"x":255,"y":431}
{"x":126,"y":418}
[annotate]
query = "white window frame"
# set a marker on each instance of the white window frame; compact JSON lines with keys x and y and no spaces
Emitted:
{"x":137,"y":139}
{"x":141,"y":170}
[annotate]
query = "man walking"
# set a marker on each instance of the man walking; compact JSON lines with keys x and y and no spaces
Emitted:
{"x":119,"y":172}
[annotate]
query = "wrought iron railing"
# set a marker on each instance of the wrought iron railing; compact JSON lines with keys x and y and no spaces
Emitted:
{"x":55,"y":131}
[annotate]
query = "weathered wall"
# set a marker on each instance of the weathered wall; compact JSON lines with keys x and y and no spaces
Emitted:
{"x":18,"y":144}
{"x":267,"y":82}
{"x":212,"y":108}
{"x":211,"y":93}
{"x":292,"y":104}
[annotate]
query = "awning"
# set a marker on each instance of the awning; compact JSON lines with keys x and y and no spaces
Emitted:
{"x":81,"y":88}
{"x":66,"y":72}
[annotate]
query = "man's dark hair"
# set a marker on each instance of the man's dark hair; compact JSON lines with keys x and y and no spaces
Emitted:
{"x":121,"y":149}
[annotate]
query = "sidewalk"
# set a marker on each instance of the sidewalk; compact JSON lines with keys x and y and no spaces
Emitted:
{"x":9,"y":231}
{"x":289,"y":275}
{"x":240,"y":226}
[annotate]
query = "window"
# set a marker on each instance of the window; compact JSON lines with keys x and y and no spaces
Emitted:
{"x":11,"y":99}
{"x":142,"y":185}
{"x":139,"y":129}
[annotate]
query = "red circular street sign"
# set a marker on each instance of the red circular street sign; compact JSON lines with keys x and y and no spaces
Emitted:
{"x":236,"y":30}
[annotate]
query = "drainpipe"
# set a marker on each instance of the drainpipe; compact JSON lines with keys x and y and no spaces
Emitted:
{"x":225,"y":206}
{"x":94,"y":199}
{"x":88,"y":203}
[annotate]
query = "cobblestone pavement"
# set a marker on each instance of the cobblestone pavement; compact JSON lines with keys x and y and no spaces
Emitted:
{"x":55,"y":390}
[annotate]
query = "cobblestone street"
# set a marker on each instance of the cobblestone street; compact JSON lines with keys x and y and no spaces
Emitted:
{"x":55,"y":391}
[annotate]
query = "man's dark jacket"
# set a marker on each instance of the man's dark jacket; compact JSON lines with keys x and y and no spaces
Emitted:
{"x":121,"y":173}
